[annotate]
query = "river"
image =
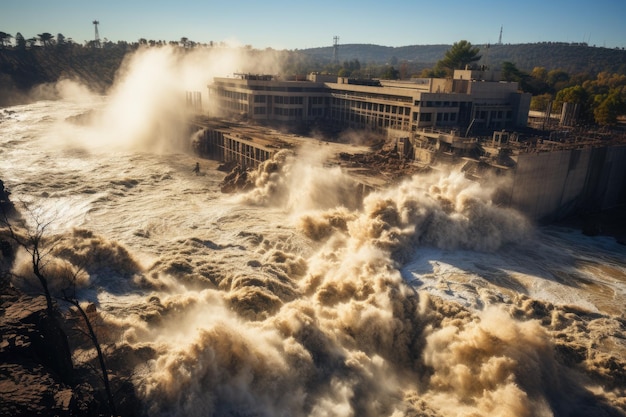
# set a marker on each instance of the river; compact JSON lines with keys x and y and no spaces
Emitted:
{"x":282,"y":301}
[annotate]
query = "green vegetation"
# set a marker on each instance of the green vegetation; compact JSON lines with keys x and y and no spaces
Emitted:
{"x":601,"y":97}
{"x":460,"y":55}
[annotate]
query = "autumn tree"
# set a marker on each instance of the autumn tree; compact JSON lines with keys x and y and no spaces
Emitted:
{"x":540,"y":102}
{"x":576,"y":95}
{"x":608,"y":106}
{"x":557,"y":79}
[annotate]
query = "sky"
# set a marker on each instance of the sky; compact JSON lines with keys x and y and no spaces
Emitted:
{"x":281,"y":24}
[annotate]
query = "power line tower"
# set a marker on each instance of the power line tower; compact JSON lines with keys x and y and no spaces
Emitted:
{"x":97,"y":37}
{"x":336,"y":49}
{"x":500,"y":38}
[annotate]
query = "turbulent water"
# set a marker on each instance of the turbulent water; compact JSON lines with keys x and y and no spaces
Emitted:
{"x":286,"y":301}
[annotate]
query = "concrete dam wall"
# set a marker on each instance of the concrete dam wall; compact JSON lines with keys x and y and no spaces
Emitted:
{"x":546,"y":186}
{"x":552,"y":185}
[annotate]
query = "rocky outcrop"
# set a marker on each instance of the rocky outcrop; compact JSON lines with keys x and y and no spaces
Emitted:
{"x":36,"y":374}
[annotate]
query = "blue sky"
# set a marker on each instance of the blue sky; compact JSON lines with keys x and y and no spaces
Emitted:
{"x":282,"y":24}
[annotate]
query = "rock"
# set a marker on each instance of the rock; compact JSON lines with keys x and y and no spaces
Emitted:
{"x":36,"y":375}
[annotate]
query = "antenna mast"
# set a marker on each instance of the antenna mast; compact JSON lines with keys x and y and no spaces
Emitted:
{"x":500,"y":38}
{"x":336,"y":49}
{"x":97,"y":37}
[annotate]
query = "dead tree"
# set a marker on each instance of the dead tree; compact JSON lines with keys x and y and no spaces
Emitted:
{"x":33,"y":242}
{"x":70,"y":297}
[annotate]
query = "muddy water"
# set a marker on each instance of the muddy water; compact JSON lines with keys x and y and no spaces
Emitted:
{"x":285,"y":301}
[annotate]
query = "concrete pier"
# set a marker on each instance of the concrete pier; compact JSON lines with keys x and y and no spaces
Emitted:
{"x":232,"y":147}
{"x":230,"y":142}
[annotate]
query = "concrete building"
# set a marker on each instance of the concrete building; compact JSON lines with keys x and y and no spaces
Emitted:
{"x":437,"y":121}
{"x":471,"y":99}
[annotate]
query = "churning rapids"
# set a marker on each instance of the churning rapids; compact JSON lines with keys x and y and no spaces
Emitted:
{"x":426,"y":300}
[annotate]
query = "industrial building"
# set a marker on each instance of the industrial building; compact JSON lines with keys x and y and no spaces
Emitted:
{"x":433,"y":121}
{"x":471,"y":99}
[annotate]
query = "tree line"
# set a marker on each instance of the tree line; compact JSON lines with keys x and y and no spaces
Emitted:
{"x":47,"y":40}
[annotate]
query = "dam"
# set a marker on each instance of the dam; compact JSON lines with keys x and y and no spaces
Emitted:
{"x":549,"y":181}
{"x":553,"y":185}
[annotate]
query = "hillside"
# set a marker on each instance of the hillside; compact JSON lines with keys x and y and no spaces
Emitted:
{"x":367,"y":53}
{"x":21,"y":70}
{"x":572,"y":58}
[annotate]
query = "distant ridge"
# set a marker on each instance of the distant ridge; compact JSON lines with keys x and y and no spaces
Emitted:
{"x":571,"y":57}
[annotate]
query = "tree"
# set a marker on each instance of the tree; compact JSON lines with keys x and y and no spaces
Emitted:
{"x":20,"y":42}
{"x":39,"y":248}
{"x":460,"y":55}
{"x":404,"y":70}
{"x":45,"y":38}
{"x":608,"y":107}
{"x":390,"y":74}
{"x":557,"y":79}
{"x":511,"y":73}
{"x":60,"y":39}
{"x":540,"y":102}
{"x":31,"y":239}
{"x":577,"y":95}
{"x":5,"y":39}
{"x":70,"y":297}
{"x":540,"y":73}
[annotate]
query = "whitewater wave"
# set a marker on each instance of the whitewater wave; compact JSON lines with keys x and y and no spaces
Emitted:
{"x":299,"y":298}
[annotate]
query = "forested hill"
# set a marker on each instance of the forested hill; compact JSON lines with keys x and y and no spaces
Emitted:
{"x":572,"y":58}
{"x":21,"y":70}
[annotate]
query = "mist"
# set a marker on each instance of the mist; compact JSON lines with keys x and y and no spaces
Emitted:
{"x":145,"y":110}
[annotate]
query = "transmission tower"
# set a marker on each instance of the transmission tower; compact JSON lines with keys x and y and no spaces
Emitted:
{"x":336,"y":49}
{"x":97,"y":38}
